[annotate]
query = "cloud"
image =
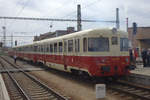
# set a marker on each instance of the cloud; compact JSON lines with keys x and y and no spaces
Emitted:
{"x":135,"y":10}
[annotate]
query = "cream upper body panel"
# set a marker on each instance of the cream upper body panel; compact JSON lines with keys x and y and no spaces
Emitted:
{"x":109,"y":33}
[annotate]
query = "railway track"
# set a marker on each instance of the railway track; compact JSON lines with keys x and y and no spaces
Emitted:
{"x":23,"y":86}
{"x":140,"y":93}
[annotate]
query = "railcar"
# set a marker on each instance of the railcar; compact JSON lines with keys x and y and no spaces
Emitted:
{"x":93,"y":52}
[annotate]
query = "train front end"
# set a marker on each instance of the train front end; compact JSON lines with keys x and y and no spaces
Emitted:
{"x":109,"y":55}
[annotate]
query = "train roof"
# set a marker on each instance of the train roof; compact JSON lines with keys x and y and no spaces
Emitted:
{"x":103,"y":31}
{"x":86,"y":32}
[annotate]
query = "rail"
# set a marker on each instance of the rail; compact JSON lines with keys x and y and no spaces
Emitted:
{"x":133,"y":90}
{"x":55,"y":94}
{"x":24,"y":95}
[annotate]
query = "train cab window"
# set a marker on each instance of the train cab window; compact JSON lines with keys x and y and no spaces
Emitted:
{"x":70,"y":45}
{"x":77,"y":45}
{"x":60,"y":47}
{"x":55,"y":47}
{"x":114,"y":41}
{"x":98,"y":44}
{"x":124,"y":44}
{"x":51,"y":48}
{"x":84,"y":44}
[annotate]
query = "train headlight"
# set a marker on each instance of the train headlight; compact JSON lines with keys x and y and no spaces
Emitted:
{"x":103,"y":60}
{"x":127,"y":60}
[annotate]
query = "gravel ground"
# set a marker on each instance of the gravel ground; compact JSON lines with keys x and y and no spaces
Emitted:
{"x":70,"y":87}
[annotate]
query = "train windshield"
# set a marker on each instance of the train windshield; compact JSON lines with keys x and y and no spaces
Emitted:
{"x":124,"y":44}
{"x":98,"y":44}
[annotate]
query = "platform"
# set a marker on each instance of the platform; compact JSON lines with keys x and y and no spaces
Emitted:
{"x":140,"y":76}
{"x":3,"y":91}
{"x":142,"y":71}
{"x":17,"y":70}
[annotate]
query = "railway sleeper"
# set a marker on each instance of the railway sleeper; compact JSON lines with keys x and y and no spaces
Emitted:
{"x":43,"y":96}
{"x":136,"y":91}
{"x":38,"y":89}
{"x":130,"y":89}
{"x":40,"y":93}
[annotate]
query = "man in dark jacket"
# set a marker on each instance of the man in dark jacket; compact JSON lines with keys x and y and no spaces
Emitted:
{"x":144,"y":57}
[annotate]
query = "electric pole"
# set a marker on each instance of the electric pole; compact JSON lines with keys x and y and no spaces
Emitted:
{"x":117,"y":18}
{"x":79,"y":26}
{"x":11,"y":40}
{"x":127,"y":23}
{"x":4,"y":36}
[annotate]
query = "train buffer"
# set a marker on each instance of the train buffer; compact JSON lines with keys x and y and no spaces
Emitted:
{"x":19,"y":69}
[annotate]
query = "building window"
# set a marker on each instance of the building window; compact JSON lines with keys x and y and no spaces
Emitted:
{"x":70,"y":45}
{"x":77,"y":45}
{"x":60,"y":46}
{"x":114,"y":40}
{"x":84,"y":44}
{"x":55,"y":47}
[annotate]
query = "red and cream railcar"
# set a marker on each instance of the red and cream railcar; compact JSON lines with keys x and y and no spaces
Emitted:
{"x":96,"y":52}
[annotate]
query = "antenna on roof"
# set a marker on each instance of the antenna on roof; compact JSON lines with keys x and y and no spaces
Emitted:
{"x":51,"y":25}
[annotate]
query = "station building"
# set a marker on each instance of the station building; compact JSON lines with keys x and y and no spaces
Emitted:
{"x":54,"y":34}
{"x":141,"y":39}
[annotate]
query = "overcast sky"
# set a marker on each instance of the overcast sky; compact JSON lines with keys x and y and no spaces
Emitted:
{"x":135,"y":10}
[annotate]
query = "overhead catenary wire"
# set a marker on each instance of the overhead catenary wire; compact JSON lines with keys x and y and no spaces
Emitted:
{"x":51,"y":19}
{"x":23,"y":7}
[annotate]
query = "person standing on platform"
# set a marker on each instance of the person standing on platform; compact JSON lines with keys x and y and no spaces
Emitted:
{"x":15,"y":58}
{"x":148,"y":57}
{"x":131,"y":55}
{"x":144,"y":57}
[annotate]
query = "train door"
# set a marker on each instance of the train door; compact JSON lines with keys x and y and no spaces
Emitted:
{"x":65,"y":53}
{"x":115,"y":50}
{"x":44,"y":53}
{"x":77,"y":51}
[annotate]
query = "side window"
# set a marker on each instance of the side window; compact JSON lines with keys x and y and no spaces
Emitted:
{"x":124,"y":44}
{"x":60,"y":46}
{"x":65,"y":46}
{"x":42,"y":48}
{"x":77,"y":45}
{"x":51,"y":48}
{"x":55,"y":47}
{"x":39,"y":49}
{"x":70,"y":45}
{"x":114,"y":40}
{"x":30,"y":48}
{"x":35,"y":48}
{"x":47,"y":48}
{"x":84,"y":44}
